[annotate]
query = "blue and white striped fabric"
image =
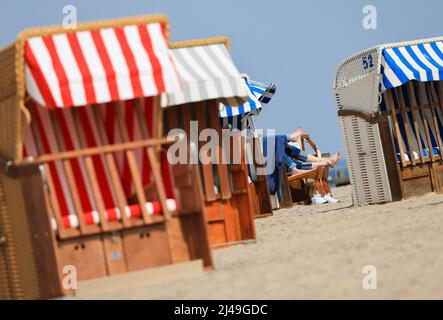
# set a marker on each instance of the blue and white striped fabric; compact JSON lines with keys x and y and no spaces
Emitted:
{"x":263,"y":92}
{"x":418,"y":137}
{"x":251,"y":105}
{"x":422,"y":62}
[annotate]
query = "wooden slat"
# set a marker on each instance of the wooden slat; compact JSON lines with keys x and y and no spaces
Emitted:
{"x":208,"y":174}
{"x":225,"y":189}
{"x":89,"y":165}
{"x":415,"y":119}
{"x":130,"y":156}
{"x":152,"y":157}
{"x":87,"y":152}
{"x":69,"y":174}
{"x":396,"y":127}
{"x":112,"y":166}
{"x":422,"y":112}
{"x":434,"y":117}
{"x":61,"y":230}
{"x":439,"y":99}
{"x":406,"y":124}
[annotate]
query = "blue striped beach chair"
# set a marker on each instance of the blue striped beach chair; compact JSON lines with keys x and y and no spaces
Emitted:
{"x":242,"y":118}
{"x":390,"y":105}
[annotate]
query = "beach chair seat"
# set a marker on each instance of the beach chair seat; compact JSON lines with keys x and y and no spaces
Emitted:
{"x":416,"y":155}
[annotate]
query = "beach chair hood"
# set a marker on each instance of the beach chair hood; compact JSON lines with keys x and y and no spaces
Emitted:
{"x":381,"y":94}
{"x":99,"y":65}
{"x":259,"y":95}
{"x":362,"y":78}
{"x":98,"y":62}
{"x":206,"y":71}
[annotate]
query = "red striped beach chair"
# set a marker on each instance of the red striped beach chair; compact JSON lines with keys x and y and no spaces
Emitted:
{"x":84,"y":180}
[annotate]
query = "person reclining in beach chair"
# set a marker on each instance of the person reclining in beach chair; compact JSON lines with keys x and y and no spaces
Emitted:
{"x":301,"y":164}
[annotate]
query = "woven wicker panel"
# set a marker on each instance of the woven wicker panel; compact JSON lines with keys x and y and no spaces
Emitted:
{"x":8,"y":106}
{"x":5,"y":254}
{"x":355,"y":87}
{"x":24,"y":282}
{"x":364,"y":157}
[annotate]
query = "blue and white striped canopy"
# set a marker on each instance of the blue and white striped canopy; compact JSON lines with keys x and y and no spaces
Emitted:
{"x":251,"y":105}
{"x":263,"y":92}
{"x":259,"y":95}
{"x":421,"y":62}
{"x":238,"y":117}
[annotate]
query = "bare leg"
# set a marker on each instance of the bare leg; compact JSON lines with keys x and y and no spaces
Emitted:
{"x":331,"y":161}
{"x":297,"y":171}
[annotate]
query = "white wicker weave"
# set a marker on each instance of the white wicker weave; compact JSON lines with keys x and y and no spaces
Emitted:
{"x":357,"y":87}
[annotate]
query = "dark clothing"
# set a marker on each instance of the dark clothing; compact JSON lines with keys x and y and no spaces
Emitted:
{"x":277,"y":155}
{"x":296,"y":158}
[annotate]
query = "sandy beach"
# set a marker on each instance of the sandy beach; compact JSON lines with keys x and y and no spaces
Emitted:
{"x":318,"y":252}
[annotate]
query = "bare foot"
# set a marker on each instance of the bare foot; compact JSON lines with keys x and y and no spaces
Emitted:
{"x":334,"y":159}
{"x":296,"y":134}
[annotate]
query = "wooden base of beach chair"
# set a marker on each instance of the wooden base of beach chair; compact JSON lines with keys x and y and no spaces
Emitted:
{"x":224,"y":222}
{"x":285,"y":190}
{"x":146,"y":247}
{"x":415,"y":180}
{"x":437,"y":176}
{"x":261,"y":200}
{"x":224,"y":187}
{"x":404,"y":181}
{"x":300,"y":192}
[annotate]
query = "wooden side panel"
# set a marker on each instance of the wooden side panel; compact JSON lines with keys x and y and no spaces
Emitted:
{"x":196,"y":237}
{"x":43,"y":238}
{"x":114,"y":253}
{"x":9,"y":109}
{"x":86,"y":254}
{"x":437,"y":171}
{"x":392,"y":168}
{"x":217,"y":233}
{"x":416,"y":180}
{"x":146,"y":247}
{"x":285,"y":190}
{"x":231,"y":215}
{"x":9,"y":113}
{"x":24,"y":281}
{"x":5,"y":249}
{"x":300,"y":192}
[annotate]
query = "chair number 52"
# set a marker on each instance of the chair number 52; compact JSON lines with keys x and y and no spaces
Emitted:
{"x":367,"y":62}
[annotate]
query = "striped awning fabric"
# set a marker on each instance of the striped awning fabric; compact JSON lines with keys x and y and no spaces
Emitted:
{"x":99,"y":66}
{"x":250,"y":105}
{"x":259,"y":95}
{"x":262,"y":91}
{"x":207,"y":72}
{"x":421,"y":62}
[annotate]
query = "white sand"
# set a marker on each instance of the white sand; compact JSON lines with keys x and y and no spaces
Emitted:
{"x":313,"y":252}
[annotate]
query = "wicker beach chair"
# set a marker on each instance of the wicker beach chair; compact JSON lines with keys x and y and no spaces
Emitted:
{"x":242,"y":118}
{"x":390,"y":107}
{"x":303,"y":185}
{"x":210,"y":78}
{"x":71,"y":158}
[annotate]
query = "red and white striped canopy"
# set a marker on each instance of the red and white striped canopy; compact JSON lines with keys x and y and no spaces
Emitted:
{"x":99,"y":66}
